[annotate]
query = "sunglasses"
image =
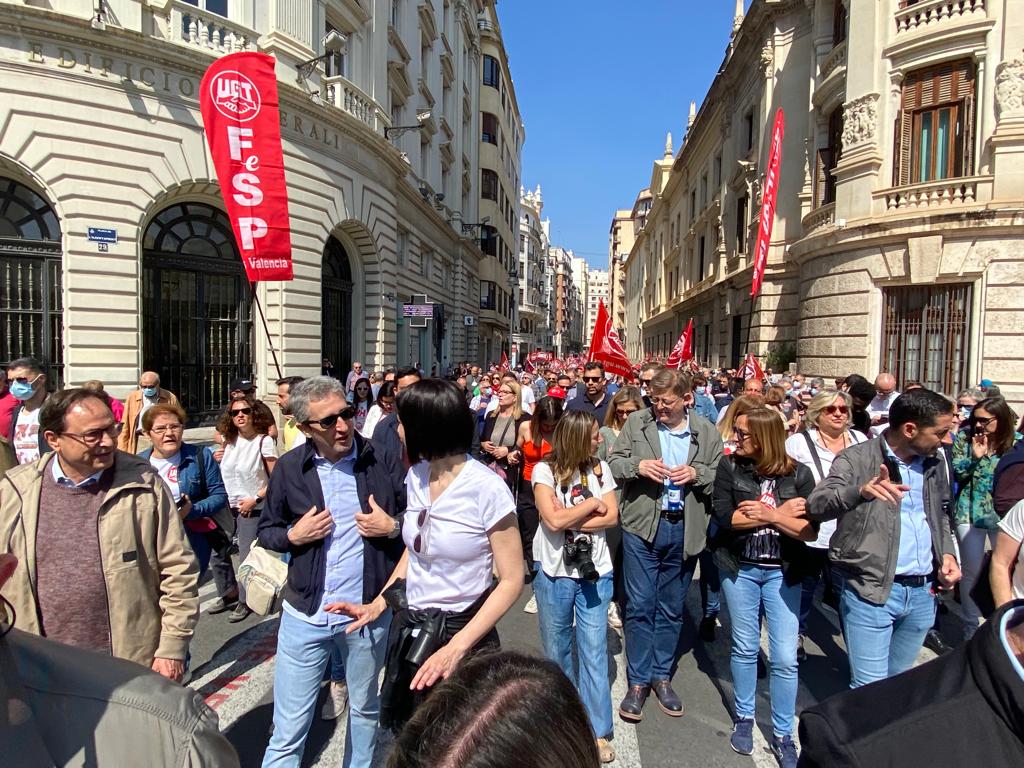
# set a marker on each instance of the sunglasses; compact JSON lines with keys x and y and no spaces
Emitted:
{"x":831,"y":409}
{"x":741,"y":435}
{"x":982,"y":421}
{"x":419,"y":544}
{"x":593,"y":379}
{"x":244,"y":411}
{"x":329,"y":421}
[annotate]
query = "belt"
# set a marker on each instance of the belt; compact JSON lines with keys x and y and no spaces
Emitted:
{"x":671,"y":517}
{"x":912,"y":581}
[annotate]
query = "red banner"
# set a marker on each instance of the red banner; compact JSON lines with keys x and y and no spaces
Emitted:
{"x":238,"y":100}
{"x":683,"y":350}
{"x":605,"y":346}
{"x":768,"y":198}
{"x":751,"y":369}
{"x":504,"y":363}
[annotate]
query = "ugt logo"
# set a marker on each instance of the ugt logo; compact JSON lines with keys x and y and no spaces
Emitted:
{"x":235,"y":95}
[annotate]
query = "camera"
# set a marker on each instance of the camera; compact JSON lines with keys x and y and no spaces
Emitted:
{"x":578,"y":552}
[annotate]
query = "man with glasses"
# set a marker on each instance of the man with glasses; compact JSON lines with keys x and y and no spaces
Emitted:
{"x":594,"y":399}
{"x":149,"y":393}
{"x":885,"y":395}
{"x":108,"y":567}
{"x":28,"y":386}
{"x":333,"y":505}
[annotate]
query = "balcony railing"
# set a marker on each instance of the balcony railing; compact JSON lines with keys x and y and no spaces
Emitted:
{"x":201,"y":29}
{"x":823,"y":216}
{"x":835,"y":59}
{"x":348,"y":97}
{"x":937,"y":194}
{"x":911,"y":18}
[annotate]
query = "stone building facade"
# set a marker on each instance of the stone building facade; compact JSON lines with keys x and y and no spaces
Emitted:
{"x":532,"y":258}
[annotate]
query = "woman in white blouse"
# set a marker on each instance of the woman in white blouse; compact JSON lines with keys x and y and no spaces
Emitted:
{"x":459,"y":528}
{"x":827,"y":431}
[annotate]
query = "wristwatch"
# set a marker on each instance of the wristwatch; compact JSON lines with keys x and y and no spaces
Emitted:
{"x":396,"y":530}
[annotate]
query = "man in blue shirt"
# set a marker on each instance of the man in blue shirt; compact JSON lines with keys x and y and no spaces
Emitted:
{"x":594,"y":399}
{"x":333,"y":504}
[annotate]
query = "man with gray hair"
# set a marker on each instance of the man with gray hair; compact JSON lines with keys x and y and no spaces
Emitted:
{"x":333,"y":505}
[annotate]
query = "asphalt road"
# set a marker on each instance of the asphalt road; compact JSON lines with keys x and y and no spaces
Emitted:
{"x":233,"y":668}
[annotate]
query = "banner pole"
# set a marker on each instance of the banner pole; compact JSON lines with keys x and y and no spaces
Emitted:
{"x":266,"y":329}
{"x":750,"y":324}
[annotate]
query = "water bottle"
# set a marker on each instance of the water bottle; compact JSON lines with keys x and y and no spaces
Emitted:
{"x":674,"y":496}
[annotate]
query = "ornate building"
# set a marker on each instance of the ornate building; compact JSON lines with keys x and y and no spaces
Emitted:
{"x":896,"y":240}
{"x":380,"y":119}
{"x":533,"y":248}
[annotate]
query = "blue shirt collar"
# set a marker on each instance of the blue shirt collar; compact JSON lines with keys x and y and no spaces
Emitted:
{"x":61,"y":478}
{"x":684,"y":432}
{"x":320,"y":461}
{"x":916,"y":461}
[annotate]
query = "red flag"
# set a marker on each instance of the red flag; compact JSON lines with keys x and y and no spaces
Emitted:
{"x":751,"y":369}
{"x":683,"y":350}
{"x":238,"y":100}
{"x":768,"y":197}
{"x":605,"y":346}
{"x":504,"y":363}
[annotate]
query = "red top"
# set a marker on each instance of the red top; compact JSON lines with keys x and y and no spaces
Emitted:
{"x":8,"y":403}
{"x":531,"y":455}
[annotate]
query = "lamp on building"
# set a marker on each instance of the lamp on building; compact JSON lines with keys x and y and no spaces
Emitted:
{"x":468,"y":226}
{"x":333,"y":42}
{"x":400,"y":130}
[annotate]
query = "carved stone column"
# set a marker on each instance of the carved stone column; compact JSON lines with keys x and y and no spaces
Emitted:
{"x":1008,"y":139}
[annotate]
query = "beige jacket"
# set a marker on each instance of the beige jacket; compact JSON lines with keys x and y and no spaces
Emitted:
{"x":128,"y":441}
{"x":150,"y":571}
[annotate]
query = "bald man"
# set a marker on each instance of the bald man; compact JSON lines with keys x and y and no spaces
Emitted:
{"x":149,"y":393}
{"x":878,"y":408}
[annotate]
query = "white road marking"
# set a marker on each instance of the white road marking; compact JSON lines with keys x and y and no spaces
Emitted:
{"x":627,"y":746}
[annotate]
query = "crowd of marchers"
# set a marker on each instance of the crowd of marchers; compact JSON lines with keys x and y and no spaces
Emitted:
{"x":412,"y":511}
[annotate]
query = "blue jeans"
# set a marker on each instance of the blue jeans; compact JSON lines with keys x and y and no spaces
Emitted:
{"x":559,"y":599}
{"x":883,"y":640}
{"x":303,"y":652}
{"x":657,"y":579}
{"x":746,"y":592}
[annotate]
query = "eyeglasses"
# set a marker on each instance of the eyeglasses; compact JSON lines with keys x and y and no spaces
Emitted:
{"x":329,"y":421}
{"x":94,"y":436}
{"x":164,"y":429}
{"x":664,"y":401}
{"x":419,"y":544}
{"x":884,"y":393}
{"x":625,"y":411}
{"x":244,"y":411}
{"x":831,"y":409}
{"x":647,"y":381}
{"x":982,"y":421}
{"x":593,"y":379}
{"x":741,"y":435}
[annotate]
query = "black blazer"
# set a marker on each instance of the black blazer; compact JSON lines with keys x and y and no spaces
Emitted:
{"x":295,"y":487}
{"x":964,"y":708}
{"x":737,"y":480}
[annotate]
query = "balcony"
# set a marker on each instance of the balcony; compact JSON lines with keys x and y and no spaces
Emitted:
{"x":835,"y":59}
{"x":348,"y":97}
{"x":948,"y":193}
{"x":922,"y":16}
{"x":821,"y":217}
{"x":197,"y":28}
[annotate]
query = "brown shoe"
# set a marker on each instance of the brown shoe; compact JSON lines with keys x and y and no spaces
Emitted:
{"x":605,"y":751}
{"x":632,"y":707}
{"x":668,"y":700}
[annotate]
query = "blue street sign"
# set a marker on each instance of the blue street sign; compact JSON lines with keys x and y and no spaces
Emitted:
{"x":97,"y":235}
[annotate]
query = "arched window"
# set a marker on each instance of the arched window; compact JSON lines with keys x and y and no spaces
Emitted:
{"x":196,"y":313}
{"x":336,"y":306}
{"x":31,"y":280}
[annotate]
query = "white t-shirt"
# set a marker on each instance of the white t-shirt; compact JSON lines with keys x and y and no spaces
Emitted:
{"x":242,"y":466}
{"x":375,"y":414}
{"x":798,"y":450}
{"x":168,"y":471}
{"x":147,"y":403}
{"x":879,"y":406}
{"x":548,"y":544}
{"x":454,"y":564}
{"x":26,"y":436}
{"x":1013,"y":526}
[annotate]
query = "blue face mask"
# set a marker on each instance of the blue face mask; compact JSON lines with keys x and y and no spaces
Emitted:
{"x":150,"y":391}
{"x":702,"y":390}
{"x":814,"y":391}
{"x":22,"y":390}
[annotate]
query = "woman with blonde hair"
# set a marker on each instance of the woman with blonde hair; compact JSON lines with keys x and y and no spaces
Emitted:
{"x":777,"y":400}
{"x":741,"y":405}
{"x":501,"y":430}
{"x":575,"y":494}
{"x":826,"y":433}
{"x":759,"y":504}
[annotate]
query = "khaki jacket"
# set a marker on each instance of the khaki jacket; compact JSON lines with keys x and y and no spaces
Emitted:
{"x":7,"y":460}
{"x":150,"y":571}
{"x":128,"y":441}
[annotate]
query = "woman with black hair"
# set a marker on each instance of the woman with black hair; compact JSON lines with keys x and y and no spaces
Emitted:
{"x":460,"y":528}
{"x":384,"y":405}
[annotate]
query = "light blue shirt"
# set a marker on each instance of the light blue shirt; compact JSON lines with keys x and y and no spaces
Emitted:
{"x":915,"y":556}
{"x":343,"y":574}
{"x":1014,"y":661}
{"x":62,"y":479}
{"x":675,"y":450}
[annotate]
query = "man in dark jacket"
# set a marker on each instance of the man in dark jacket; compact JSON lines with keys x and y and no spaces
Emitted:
{"x":965,"y":708}
{"x":385,"y":434}
{"x":332,"y":504}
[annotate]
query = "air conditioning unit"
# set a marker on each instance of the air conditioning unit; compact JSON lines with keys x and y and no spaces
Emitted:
{"x":469,"y":320}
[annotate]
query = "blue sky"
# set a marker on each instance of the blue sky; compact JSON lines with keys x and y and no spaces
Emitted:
{"x":599,"y":82}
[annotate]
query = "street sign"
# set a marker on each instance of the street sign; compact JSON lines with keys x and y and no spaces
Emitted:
{"x":417,"y":310}
{"x":98,"y":235}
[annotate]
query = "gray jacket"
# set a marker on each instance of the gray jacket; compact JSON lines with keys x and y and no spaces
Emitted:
{"x":640,"y":507}
{"x":74,"y":707}
{"x":866,"y":543}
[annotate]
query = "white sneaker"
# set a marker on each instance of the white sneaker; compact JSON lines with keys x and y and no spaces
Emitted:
{"x":531,"y":605}
{"x":337,"y":701}
{"x":614,"y":619}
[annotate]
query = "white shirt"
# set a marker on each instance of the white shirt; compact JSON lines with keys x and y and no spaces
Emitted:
{"x":376,"y":414}
{"x":168,"y":471}
{"x":242,"y":467}
{"x":147,"y":403}
{"x":1013,"y":526}
{"x":26,"y":436}
{"x":797,"y":449}
{"x":454,"y":564}
{"x":879,"y":406}
{"x":548,"y":544}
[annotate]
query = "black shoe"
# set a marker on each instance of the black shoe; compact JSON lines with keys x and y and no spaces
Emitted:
{"x":707,"y":629}
{"x":933,"y":641}
{"x":240,"y":613}
{"x":222,"y":604}
{"x":801,"y":654}
{"x":632,"y":707}
{"x":668,"y":700}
